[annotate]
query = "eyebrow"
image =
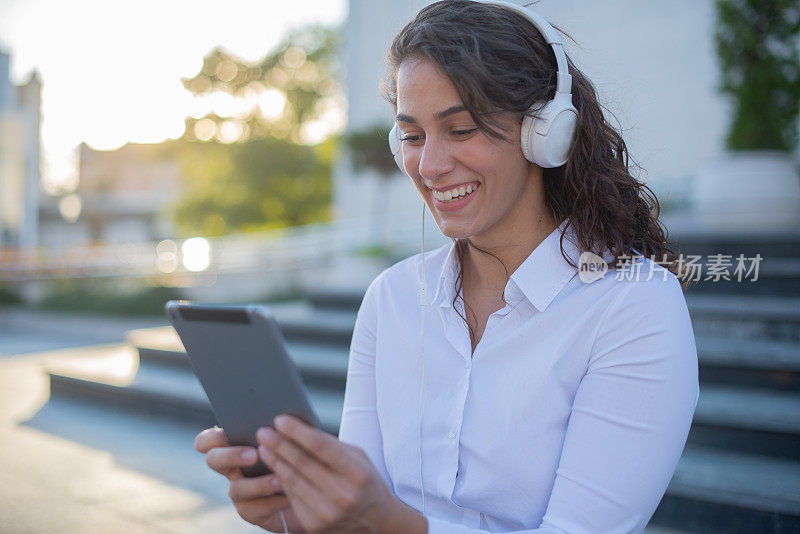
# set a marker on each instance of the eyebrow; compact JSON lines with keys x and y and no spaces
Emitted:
{"x":401,"y":117}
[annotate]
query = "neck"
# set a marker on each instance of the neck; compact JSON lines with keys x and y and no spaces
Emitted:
{"x":483,"y":270}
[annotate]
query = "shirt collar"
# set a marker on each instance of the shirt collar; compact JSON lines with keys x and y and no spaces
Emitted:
{"x":545,"y":272}
{"x":542,"y":275}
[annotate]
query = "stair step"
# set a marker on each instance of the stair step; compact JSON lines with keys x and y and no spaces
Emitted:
{"x":776,"y":277}
{"x":748,"y":353}
{"x":114,"y":377}
{"x":319,"y":365}
{"x":749,"y":409}
{"x":783,"y":245}
{"x":747,"y":363}
{"x":745,"y":317}
{"x":762,"y":422}
{"x":773,"y":308}
{"x":346,"y":300}
{"x":758,"y":486}
{"x":298,"y":321}
{"x":305,"y":323}
{"x":654,"y":529}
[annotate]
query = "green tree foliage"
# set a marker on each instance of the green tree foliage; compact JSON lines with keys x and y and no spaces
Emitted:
{"x":260,"y":174}
{"x":253,"y":185}
{"x":757,"y":43}
{"x":301,"y":73}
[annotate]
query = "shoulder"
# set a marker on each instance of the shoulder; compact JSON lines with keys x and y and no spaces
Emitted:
{"x":642,"y":298}
{"x":644,"y":281}
{"x":405,"y":275}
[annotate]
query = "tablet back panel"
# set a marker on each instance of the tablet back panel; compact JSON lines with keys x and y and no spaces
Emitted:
{"x":238,"y":353}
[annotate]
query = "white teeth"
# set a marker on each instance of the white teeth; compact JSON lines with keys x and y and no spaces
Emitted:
{"x":457,"y":192}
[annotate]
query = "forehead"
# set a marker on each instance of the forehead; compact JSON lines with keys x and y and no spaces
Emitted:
{"x":424,"y":87}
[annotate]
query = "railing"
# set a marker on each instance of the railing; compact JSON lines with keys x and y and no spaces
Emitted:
{"x":276,"y":250}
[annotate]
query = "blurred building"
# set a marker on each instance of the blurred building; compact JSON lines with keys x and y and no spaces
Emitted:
{"x":655,"y":71}
{"x":20,"y":120}
{"x":122,"y":196}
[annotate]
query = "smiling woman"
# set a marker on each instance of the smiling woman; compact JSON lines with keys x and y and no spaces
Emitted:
{"x":514,"y":396}
{"x":540,"y":403}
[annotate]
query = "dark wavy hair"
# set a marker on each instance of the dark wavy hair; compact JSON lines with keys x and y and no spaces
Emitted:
{"x":499,"y":62}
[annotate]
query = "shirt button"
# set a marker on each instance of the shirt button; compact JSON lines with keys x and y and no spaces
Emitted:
{"x":452,"y":434}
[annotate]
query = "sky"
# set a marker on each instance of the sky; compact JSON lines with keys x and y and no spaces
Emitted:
{"x":111,"y":69}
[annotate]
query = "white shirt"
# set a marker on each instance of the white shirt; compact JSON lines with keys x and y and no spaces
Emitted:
{"x":570,"y":416}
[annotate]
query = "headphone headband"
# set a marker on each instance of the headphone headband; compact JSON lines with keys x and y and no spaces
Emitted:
{"x":564,"y":80}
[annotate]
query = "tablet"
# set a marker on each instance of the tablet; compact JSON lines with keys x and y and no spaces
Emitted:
{"x":239,"y":355}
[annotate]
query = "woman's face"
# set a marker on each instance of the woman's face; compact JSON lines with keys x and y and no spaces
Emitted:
{"x":446,"y":156}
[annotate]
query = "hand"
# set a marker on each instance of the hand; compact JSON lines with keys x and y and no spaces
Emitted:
{"x":332,"y":486}
{"x":255,"y":498}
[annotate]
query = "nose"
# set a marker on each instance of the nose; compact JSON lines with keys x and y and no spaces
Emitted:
{"x":435,"y":159}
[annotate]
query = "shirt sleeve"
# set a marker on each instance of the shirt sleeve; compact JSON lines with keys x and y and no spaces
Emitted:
{"x":630,"y":417}
{"x":359,"y":424}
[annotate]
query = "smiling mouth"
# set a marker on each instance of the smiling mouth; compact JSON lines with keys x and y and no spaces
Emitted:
{"x":455,"y":194}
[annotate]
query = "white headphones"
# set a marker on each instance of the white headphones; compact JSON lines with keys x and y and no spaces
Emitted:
{"x":546,"y":140}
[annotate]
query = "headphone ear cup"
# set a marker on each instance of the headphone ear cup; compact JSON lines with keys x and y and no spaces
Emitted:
{"x":396,"y":146}
{"x":525,"y":137}
{"x":547,"y":140}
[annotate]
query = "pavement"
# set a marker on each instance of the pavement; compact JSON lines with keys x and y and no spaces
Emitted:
{"x":72,"y":467}
{"x":24,"y":330}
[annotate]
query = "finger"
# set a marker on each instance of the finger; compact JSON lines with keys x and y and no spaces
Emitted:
{"x":258,"y":511}
{"x":245,"y":489}
{"x":228,"y":461}
{"x":320,"y":444}
{"x":210,"y":438}
{"x":275,"y":446}
{"x":307,"y":499}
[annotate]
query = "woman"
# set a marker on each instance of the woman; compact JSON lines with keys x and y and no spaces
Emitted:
{"x":541,"y":398}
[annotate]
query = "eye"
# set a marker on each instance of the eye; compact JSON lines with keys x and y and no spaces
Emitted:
{"x":411,"y":138}
{"x":462,"y":133}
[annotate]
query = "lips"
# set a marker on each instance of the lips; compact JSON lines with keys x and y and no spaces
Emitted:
{"x":446,"y":194}
{"x":454,"y":204}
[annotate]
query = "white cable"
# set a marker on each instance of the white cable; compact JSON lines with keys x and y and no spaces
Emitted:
{"x":423,"y":301}
{"x":285,"y":528}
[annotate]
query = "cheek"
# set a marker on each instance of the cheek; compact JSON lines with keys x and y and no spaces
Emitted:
{"x":410,"y":161}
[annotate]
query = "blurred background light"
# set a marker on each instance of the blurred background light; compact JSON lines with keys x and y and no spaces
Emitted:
{"x":167,"y":256}
{"x":70,"y":207}
{"x":196,"y":253}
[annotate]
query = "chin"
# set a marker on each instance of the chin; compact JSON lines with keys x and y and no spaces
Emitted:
{"x":455,"y":233}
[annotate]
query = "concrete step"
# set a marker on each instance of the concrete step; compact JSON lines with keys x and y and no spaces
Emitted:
{"x":655,"y":529}
{"x":342,"y":300}
{"x":298,"y":321}
{"x":303,"y":322}
{"x":319,"y":365}
{"x":784,"y":245}
{"x":113,"y":376}
{"x":755,"y":354}
{"x":763,"y":422}
{"x":775,"y":277}
{"x":721,"y":491}
{"x":745,"y":317}
{"x":751,"y":363}
{"x":762,"y":410}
